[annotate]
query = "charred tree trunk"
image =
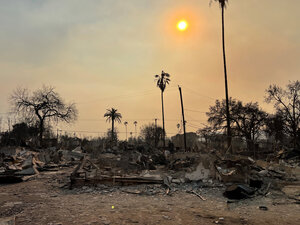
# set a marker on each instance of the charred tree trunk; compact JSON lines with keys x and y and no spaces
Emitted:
{"x":226,"y":86}
{"x":163,"y":118}
{"x":112,"y":131}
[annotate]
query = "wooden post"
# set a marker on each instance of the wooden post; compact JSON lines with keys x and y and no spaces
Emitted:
{"x":183,"y":121}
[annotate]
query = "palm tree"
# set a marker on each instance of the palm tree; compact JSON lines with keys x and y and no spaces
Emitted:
{"x":162,"y":81}
{"x":112,"y":115}
{"x":125,"y":123}
{"x":178,"y":127}
{"x":135,"y":123}
{"x":223,"y":4}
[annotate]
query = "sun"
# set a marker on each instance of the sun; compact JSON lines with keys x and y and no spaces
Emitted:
{"x":182,"y":25}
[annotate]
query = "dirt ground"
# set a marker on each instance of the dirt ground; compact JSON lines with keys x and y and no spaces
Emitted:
{"x":44,"y":200}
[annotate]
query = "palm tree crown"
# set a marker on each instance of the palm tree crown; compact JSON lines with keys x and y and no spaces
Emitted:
{"x":113,"y":115}
{"x":126,"y":123}
{"x":222,"y":3}
{"x":135,"y":123}
{"x":162,"y":80}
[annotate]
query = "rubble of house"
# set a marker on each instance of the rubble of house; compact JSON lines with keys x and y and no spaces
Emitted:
{"x":19,"y":164}
{"x":239,"y":176}
{"x":135,"y":168}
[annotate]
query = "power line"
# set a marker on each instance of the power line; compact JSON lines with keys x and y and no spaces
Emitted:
{"x":195,"y":125}
{"x":195,"y":120}
{"x":86,"y":131}
{"x":95,"y":132}
{"x":192,"y":126}
{"x":143,"y":93}
{"x":99,"y":120}
{"x":192,"y":110}
{"x":191,"y":91}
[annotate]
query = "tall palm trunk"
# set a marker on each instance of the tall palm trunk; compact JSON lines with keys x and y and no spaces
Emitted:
{"x":163,"y":117}
{"x":226,"y":86}
{"x":112,"y":131}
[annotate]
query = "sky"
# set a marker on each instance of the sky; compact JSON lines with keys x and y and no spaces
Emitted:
{"x":102,"y":54}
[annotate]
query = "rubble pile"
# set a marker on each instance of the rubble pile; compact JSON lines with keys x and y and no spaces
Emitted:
{"x":19,"y":164}
{"x":289,"y":156}
{"x":13,"y":168}
{"x":245,"y":177}
{"x":136,"y":168}
{"x":240,"y":176}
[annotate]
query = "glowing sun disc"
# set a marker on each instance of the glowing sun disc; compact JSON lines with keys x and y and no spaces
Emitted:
{"x":182,"y":25}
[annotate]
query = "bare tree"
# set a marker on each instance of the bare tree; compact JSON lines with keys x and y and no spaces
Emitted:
{"x":206,"y":133}
{"x":275,"y":128}
{"x":287,"y":104}
{"x":44,"y":104}
{"x":246,"y":120}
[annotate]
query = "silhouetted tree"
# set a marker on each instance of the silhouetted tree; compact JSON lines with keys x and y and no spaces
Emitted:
{"x":0,"y":124}
{"x":22,"y":132}
{"x":246,"y":120}
{"x":112,"y":115}
{"x":44,"y":104}
{"x":275,"y":127}
{"x":162,"y":81}
{"x":112,"y":139}
{"x":178,"y":127}
{"x":206,"y":133}
{"x":223,"y":4}
{"x":287,"y":104}
{"x":135,"y":124}
{"x":150,"y":133}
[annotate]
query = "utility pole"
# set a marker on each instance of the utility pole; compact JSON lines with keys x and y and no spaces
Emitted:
{"x":183,"y":121}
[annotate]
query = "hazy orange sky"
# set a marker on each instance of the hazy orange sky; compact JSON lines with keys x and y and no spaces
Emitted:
{"x":103,"y":54}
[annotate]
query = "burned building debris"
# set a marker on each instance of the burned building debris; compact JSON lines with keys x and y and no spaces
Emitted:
{"x":206,"y":177}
